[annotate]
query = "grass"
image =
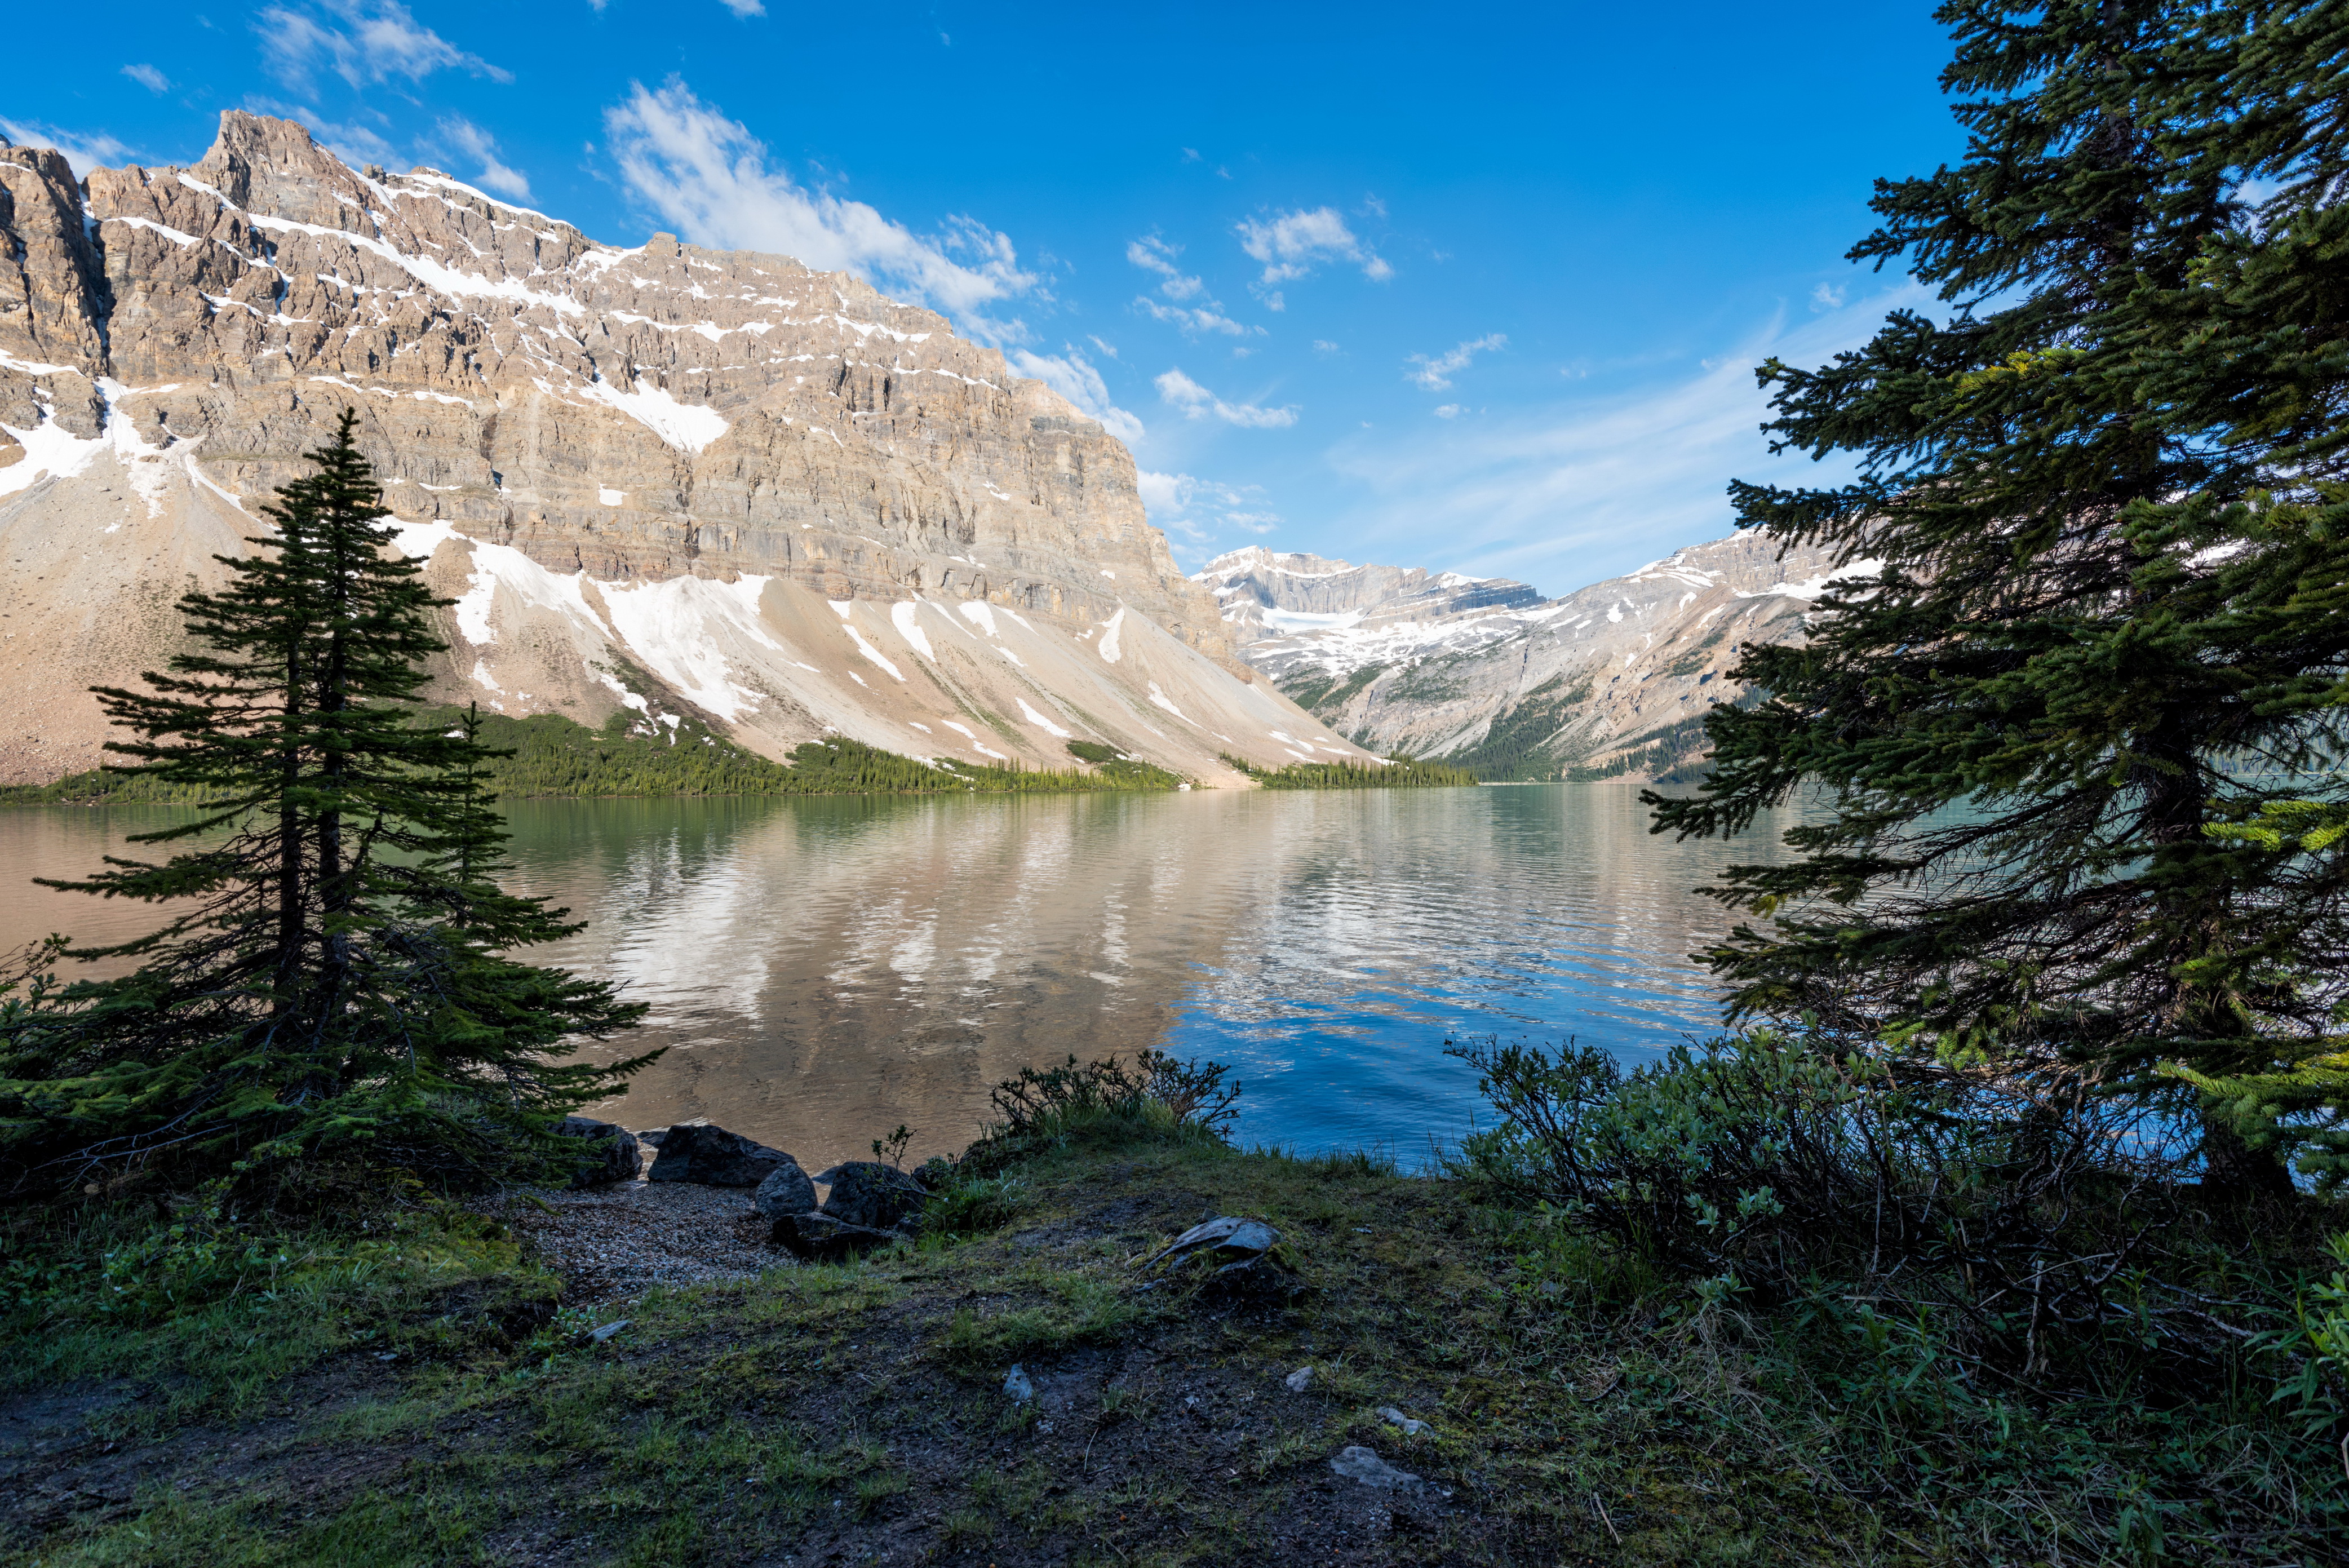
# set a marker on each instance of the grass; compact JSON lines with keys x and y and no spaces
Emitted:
{"x":1580,"y":1407}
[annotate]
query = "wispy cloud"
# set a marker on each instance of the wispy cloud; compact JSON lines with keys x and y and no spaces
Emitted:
{"x":1435,"y":374}
{"x":1071,"y":375}
{"x":1827,"y":297}
{"x":1588,"y":488}
{"x":1154,"y":255}
{"x":84,"y":149}
{"x":1197,"y":512}
{"x":709,"y":177}
{"x":490,"y":171}
{"x":1206,"y":319}
{"x":149,"y":78}
{"x":1291,"y":245}
{"x":1198,"y":403}
{"x":361,"y":41}
{"x":745,"y":8}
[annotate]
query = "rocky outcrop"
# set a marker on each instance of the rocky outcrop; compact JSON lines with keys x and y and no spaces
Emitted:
{"x":1612,"y":679}
{"x":656,"y":478}
{"x":712,"y":1156}
{"x":609,"y":1152}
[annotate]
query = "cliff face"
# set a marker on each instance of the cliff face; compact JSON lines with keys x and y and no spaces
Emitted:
{"x":1614,"y":677}
{"x":656,"y":478}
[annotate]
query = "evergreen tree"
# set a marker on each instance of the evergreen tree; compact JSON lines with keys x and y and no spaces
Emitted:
{"x":2093,"y":629}
{"x":331,"y":969}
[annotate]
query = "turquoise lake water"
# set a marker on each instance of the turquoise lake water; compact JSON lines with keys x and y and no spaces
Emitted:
{"x":824,"y":970}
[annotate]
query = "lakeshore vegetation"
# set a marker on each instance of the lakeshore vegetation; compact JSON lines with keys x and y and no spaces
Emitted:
{"x":2004,"y":1226}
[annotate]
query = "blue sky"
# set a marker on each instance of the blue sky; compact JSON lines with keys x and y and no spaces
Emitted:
{"x":1474,"y":289}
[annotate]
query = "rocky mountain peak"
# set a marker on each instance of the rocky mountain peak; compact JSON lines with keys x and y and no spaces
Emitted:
{"x":650,"y":474}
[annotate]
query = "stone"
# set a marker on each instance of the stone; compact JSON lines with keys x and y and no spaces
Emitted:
{"x":876,"y":1196}
{"x":785,"y":1191}
{"x":600,"y":1335}
{"x":1233,"y":1243}
{"x":1019,"y":1387}
{"x":817,"y":1238}
{"x":712,"y":1156}
{"x":1393,"y":1417}
{"x":1358,"y":1463}
{"x":1298,"y":1381}
{"x":612,"y":1151}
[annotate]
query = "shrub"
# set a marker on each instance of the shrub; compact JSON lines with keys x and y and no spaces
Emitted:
{"x":1770,"y":1163}
{"x":1104,"y":1101}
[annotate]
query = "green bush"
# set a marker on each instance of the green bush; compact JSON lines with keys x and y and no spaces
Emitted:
{"x":1106,"y":1102}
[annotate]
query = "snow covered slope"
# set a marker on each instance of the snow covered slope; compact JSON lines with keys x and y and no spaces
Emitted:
{"x":1614,"y":677}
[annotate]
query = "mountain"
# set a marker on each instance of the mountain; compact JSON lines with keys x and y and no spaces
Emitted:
{"x":1483,"y":672}
{"x":660,"y":481}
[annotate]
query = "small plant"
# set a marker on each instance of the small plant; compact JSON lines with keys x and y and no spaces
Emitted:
{"x":891,"y":1150}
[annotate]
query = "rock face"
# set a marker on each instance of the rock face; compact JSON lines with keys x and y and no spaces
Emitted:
{"x":876,"y":1196}
{"x":660,"y":478}
{"x":1612,"y":679}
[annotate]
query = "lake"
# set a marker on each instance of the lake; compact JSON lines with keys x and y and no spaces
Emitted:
{"x":823,"y":970}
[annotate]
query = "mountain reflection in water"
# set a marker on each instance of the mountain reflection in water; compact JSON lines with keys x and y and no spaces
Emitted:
{"x":823,"y":970}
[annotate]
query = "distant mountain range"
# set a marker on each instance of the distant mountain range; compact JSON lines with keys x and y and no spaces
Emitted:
{"x":656,"y":481}
{"x":1484,"y":672}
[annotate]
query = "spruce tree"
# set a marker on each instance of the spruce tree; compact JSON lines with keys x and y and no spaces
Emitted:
{"x":331,"y":972}
{"x":2091,"y":633}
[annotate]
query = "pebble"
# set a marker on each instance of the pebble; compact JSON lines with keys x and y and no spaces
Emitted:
{"x":609,"y":1244}
{"x":1411,"y":1429}
{"x":1357,"y":1463}
{"x":1017,"y":1386}
{"x":1299,"y":1380}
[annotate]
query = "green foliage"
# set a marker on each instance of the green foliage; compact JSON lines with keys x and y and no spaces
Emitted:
{"x":1120,"y":771}
{"x":2099,"y":580}
{"x":2316,"y":1349}
{"x":333,"y":975}
{"x":1655,"y":752}
{"x":1523,"y":741}
{"x":1104,"y":1103}
{"x":2031,"y":1227}
{"x":1325,"y":693}
{"x":1398,"y":773}
{"x":842,"y":766}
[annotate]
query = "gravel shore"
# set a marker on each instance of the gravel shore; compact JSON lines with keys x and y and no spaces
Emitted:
{"x":611,"y":1243}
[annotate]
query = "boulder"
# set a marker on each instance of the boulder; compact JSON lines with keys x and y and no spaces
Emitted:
{"x":785,"y":1192}
{"x":611,"y":1152}
{"x":712,"y":1156}
{"x":875,"y":1196}
{"x":818,"y":1238}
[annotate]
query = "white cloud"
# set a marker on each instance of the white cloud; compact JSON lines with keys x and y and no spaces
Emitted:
{"x":746,"y":8}
{"x":707,"y":175}
{"x":1207,"y":318}
{"x":1447,"y":411}
{"x":149,"y":78}
{"x":1154,"y":255}
{"x":1323,"y":346}
{"x":84,"y":151}
{"x":1197,"y":402}
{"x":1072,"y":376}
{"x":377,"y":41}
{"x":1107,"y":347}
{"x":1291,"y":243}
{"x":1593,"y":486}
{"x":1827,"y":297}
{"x":492,"y":174}
{"x":1436,"y":374}
{"x":1195,"y":509}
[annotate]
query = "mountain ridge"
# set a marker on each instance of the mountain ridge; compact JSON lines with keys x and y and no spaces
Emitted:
{"x":658,"y":480}
{"x":1484,"y":673}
